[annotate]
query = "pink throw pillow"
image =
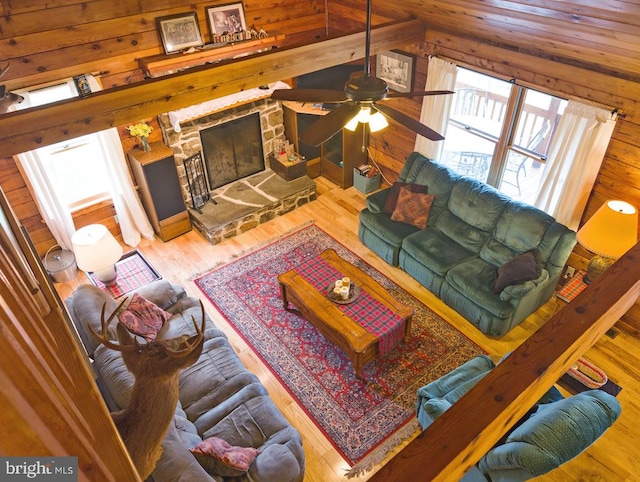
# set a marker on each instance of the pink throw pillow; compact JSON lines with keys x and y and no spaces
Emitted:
{"x":143,"y":317}
{"x":219,"y":458}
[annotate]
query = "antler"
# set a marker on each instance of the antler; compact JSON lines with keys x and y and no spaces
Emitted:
{"x":104,"y":324}
{"x":196,"y":342}
{"x":4,"y":69}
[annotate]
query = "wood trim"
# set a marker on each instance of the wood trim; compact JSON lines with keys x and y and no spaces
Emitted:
{"x":478,"y":420}
{"x":120,"y":105}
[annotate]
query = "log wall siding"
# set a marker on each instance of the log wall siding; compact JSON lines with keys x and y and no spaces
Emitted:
{"x":47,"y":41}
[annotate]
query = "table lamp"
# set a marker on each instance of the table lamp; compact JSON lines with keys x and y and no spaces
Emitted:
{"x":97,"y":251}
{"x":609,"y":233}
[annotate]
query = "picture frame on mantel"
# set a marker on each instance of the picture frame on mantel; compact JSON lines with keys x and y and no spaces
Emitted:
{"x":179,"y":32}
{"x":227,"y":18}
{"x":396,"y":69}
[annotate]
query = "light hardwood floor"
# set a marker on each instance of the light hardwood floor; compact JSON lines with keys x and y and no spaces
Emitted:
{"x":612,"y":458}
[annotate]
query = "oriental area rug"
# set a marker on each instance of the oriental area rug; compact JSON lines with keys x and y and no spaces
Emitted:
{"x":363,"y":418}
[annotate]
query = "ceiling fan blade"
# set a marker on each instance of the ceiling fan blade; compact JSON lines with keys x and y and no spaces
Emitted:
{"x":421,"y":93}
{"x":329,"y":125}
{"x":410,"y":123}
{"x":310,"y":95}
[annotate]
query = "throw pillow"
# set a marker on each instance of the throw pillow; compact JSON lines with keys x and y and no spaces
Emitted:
{"x":143,"y":317}
{"x":219,"y":458}
{"x":525,"y":267}
{"x":394,"y":191}
{"x":413,"y":208}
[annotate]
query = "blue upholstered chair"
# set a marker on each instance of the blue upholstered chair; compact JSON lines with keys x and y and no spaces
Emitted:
{"x":553,"y":432}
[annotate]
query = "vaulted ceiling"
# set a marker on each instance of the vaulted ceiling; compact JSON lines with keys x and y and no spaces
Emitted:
{"x":603,"y":36}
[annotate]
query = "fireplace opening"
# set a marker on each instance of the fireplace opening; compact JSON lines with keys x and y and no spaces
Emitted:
{"x":233,"y":150}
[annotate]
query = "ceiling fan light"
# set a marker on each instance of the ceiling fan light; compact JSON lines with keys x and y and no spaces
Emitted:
{"x":353,"y":123}
{"x":364,"y":114}
{"x":377,"y":122}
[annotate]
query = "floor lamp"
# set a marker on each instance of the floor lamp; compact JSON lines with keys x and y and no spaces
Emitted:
{"x":97,"y":251}
{"x":609,"y":233}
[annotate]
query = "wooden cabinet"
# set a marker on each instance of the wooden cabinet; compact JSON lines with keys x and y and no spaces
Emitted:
{"x":157,"y":179}
{"x":336,"y":158}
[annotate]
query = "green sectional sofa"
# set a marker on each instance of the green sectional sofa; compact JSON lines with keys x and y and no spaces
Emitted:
{"x":473,"y":233}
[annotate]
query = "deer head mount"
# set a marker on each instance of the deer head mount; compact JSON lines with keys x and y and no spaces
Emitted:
{"x":143,"y":425}
{"x":7,"y":99}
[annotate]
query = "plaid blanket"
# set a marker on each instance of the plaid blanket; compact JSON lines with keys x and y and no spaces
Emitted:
{"x":373,"y":316}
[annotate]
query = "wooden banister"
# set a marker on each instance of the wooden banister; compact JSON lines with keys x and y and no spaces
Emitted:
{"x":468,"y":430}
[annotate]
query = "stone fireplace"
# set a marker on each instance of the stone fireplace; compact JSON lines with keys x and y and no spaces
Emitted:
{"x":235,"y":142}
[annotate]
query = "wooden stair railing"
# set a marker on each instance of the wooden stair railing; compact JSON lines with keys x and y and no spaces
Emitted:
{"x":468,"y":430}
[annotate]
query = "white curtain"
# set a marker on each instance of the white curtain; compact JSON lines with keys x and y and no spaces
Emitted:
{"x":574,"y":159}
{"x":55,"y":213}
{"x":131,"y":216}
{"x":436,"y":108}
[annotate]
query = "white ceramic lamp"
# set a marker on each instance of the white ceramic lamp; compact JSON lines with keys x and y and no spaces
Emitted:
{"x":609,"y":233}
{"x":97,"y":252}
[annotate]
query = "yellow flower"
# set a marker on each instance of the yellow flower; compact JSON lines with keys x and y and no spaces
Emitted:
{"x":141,"y":129}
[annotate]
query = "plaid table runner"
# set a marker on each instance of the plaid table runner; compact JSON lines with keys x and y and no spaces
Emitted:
{"x":133,"y":272}
{"x":368,"y":312}
{"x":573,"y":287}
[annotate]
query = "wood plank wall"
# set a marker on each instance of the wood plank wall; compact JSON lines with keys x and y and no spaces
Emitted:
{"x":47,"y":41}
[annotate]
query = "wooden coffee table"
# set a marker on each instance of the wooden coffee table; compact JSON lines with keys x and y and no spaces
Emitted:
{"x":337,"y":327}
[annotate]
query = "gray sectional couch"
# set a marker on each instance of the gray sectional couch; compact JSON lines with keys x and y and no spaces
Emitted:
{"x":218,"y":396}
{"x":472,"y":230}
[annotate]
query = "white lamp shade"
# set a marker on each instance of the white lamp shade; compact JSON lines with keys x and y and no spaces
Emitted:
{"x":95,"y":248}
{"x":611,"y":231}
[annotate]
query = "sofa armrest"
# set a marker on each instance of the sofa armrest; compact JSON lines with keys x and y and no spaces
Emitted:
{"x":520,"y":290}
{"x":553,"y":435}
{"x":375,"y":202}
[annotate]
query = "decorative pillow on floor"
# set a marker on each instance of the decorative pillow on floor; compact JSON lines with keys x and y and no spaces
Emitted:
{"x":413,"y":208}
{"x":143,"y":317}
{"x":525,"y":267}
{"x":219,"y":458}
{"x":394,"y":191}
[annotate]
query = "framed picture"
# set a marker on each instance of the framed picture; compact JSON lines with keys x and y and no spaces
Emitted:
{"x":396,"y":70}
{"x":179,"y":32}
{"x":228,"y":18}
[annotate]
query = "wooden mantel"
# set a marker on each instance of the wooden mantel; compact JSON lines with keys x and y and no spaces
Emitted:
{"x":163,"y":64}
{"x":41,"y":126}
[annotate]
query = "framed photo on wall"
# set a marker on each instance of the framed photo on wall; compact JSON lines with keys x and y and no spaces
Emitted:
{"x":228,"y":18}
{"x":396,"y":70}
{"x":179,"y":31}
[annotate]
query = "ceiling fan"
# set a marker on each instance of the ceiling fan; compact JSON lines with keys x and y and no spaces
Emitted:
{"x":361,"y":101}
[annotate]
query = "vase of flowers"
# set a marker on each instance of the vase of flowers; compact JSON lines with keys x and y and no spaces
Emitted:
{"x":142,"y":130}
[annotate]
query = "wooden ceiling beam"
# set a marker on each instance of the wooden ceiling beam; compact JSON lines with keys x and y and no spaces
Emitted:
{"x":28,"y":129}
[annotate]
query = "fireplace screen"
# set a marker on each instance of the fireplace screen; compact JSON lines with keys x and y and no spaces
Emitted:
{"x":233,"y":150}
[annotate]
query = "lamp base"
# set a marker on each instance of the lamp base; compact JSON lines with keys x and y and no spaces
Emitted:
{"x":107,"y":276}
{"x":597,"y":266}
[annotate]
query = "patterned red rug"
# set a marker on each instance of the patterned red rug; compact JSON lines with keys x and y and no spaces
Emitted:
{"x":364,"y":419}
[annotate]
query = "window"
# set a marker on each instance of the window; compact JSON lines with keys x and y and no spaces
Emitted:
{"x":500,"y":132}
{"x":76,"y":167}
{"x":77,"y":171}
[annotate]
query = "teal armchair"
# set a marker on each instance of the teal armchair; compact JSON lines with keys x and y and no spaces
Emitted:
{"x":553,"y":432}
